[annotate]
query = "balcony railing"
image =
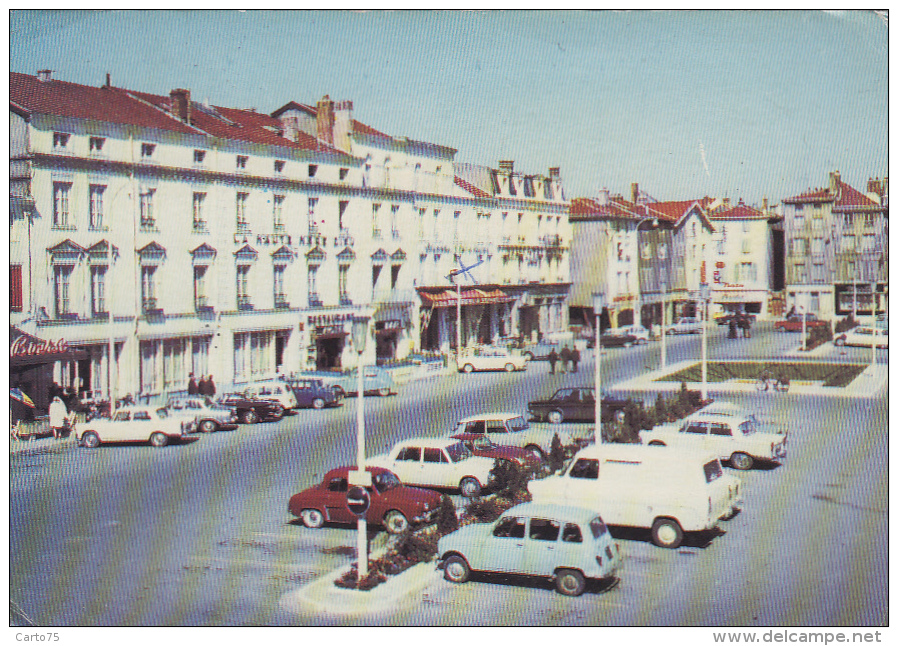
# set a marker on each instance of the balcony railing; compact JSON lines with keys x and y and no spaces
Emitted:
{"x":345,"y":300}
{"x":312,"y":240}
{"x":201,"y":303}
{"x":280,"y":301}
{"x":273,"y":239}
{"x":344,"y":239}
{"x":244,"y":303}
{"x":151,"y":306}
{"x":315,"y":300}
{"x":200,"y":227}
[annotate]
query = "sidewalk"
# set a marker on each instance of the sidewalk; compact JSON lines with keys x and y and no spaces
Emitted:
{"x":42,"y":445}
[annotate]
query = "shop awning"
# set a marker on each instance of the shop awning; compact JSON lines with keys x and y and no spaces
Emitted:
{"x":27,"y":350}
{"x":449,"y":298}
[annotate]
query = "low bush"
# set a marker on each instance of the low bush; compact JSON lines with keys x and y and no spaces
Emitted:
{"x":484,"y":510}
{"x":846,"y":324}
{"x":817,"y":336}
{"x":447,"y":517}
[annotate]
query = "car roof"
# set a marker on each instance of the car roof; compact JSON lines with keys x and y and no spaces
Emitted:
{"x":346,"y":468}
{"x":554,"y":511}
{"x":718,"y":417}
{"x":439,"y":442}
{"x":641,"y":453}
{"x":489,"y":416}
{"x":722,"y":408}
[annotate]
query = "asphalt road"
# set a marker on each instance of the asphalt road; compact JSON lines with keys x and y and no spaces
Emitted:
{"x":199,"y":534}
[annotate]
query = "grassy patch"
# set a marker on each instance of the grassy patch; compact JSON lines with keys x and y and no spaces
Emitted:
{"x":836,"y":375}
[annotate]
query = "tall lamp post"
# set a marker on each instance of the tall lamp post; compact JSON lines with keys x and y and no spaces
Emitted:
{"x":873,"y":341}
{"x":705,"y":296}
{"x":654,"y":223}
{"x":361,"y":477}
{"x":598,"y":300}
{"x":663,"y":324}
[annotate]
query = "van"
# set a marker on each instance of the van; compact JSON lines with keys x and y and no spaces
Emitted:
{"x":666,"y":490}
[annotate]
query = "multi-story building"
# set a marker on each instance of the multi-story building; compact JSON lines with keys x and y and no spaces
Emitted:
{"x":837,"y":249}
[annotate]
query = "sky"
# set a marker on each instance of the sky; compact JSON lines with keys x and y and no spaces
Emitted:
{"x":738,"y":104}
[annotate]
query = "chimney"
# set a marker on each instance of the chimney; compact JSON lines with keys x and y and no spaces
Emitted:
{"x":555,"y":173}
{"x":180,"y":104}
{"x":634,"y":192}
{"x":766,"y":204}
{"x":506,"y":165}
{"x":726,"y":203}
{"x":44,"y":75}
{"x":604,"y":196}
{"x":343,"y":128}
{"x":325,"y":109}
{"x":291,"y":127}
{"x":834,"y":180}
{"x":108,"y":80}
{"x":874,"y":186}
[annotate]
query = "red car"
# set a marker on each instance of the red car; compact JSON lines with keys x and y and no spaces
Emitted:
{"x":793,"y":323}
{"x":393,"y":505}
{"x":482,"y":446}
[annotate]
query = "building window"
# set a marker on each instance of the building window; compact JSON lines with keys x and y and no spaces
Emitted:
{"x":313,"y":223}
{"x":96,"y":206}
{"x":15,"y":288}
{"x":818,"y":275}
{"x":313,"y":285}
{"x":174,"y":353}
{"x":799,"y":216}
{"x":869,"y":220}
{"x":313,"y":170}
{"x":241,"y":162}
{"x":147,"y":218}
{"x":375,"y":220}
{"x":868,"y":243}
{"x":848,"y":242}
{"x":436,"y":222}
{"x":800,"y":276}
{"x":746,"y":245}
{"x":200,"y":299}
{"x":344,"y":204}
{"x":394,"y":221}
{"x":61,"y":140}
{"x":147,"y":150}
{"x":243,"y":299}
{"x":421,"y":214}
{"x":278,"y":166}
{"x":662,"y":250}
{"x":253,"y":358}
{"x":799,"y":246}
{"x":96,"y":145}
{"x":148,"y":287}
{"x":61,"y":204}
{"x":375,"y":274}
{"x":815,"y":301}
{"x":343,"y":173}
{"x":817,"y":245}
{"x":242,"y":224}
{"x":646,"y":251}
{"x":343,"y":282}
{"x":394,"y":275}
{"x":280,"y":294}
{"x":199,"y":217}
{"x":746,"y":272}
{"x":849,"y":218}
{"x":818,"y":211}
{"x":278,"y":213}
{"x":97,"y":290}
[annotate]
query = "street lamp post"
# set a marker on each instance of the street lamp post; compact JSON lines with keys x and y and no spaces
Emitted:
{"x":638,"y":317}
{"x":598,"y":299}
{"x":873,"y":342}
{"x":359,"y":338}
{"x":705,"y":296}
{"x":663,"y":324}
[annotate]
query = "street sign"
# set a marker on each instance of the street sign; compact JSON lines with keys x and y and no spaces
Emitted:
{"x":357,"y":500}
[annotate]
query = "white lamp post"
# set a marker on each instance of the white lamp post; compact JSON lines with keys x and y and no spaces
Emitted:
{"x":359,"y":338}
{"x":705,"y":296}
{"x":598,"y":299}
{"x":873,"y":346}
{"x":638,"y":317}
{"x":663,"y":324}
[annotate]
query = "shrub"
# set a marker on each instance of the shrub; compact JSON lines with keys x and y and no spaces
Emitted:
{"x":447,"y":517}
{"x":484,"y":510}
{"x":659,"y":413}
{"x":556,"y":454}
{"x":846,"y":324}
{"x":351,"y":578}
{"x":510,"y":478}
{"x":817,"y":336}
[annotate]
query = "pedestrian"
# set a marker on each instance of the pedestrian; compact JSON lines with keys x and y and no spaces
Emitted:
{"x":202,"y":387}
{"x":743,"y":325}
{"x":192,"y":387}
{"x":210,"y":386}
{"x":575,"y":358}
{"x":733,"y":334}
{"x":565,"y":358}
{"x":553,"y":359}
{"x":58,"y":414}
{"x":746,"y":331}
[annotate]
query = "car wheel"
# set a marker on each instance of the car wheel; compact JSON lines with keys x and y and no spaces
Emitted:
{"x":555,"y":416}
{"x":318,"y":403}
{"x":208,"y":426}
{"x":528,"y":356}
{"x":666,"y":532}
{"x":641,"y":341}
{"x":469,"y":487}
{"x":90,"y":440}
{"x":468,"y":368}
{"x":509,"y":367}
{"x":619,"y":416}
{"x":456,"y":569}
{"x":657,"y":443}
{"x":395,"y":522}
{"x":158,"y":439}
{"x":536,"y":452}
{"x":312,"y":518}
{"x":277,"y":416}
{"x":840,"y":341}
{"x":741,"y":461}
{"x":570,"y":583}
{"x":249,"y":417}
{"x":383,"y":392}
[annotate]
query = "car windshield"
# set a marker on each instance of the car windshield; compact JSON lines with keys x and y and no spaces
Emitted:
{"x":598,"y":528}
{"x":748,"y":428}
{"x":517,"y":424}
{"x":162,"y":413}
{"x":713,"y":470}
{"x":386,"y":481}
{"x":458,"y":452}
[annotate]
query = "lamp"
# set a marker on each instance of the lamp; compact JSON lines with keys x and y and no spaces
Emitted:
{"x":637,"y":319}
{"x":705,"y":295}
{"x":663,"y":323}
{"x":360,"y":332}
{"x":598,"y":302}
{"x":359,"y":340}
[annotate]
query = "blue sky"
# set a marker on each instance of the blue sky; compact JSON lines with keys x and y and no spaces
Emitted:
{"x":735,"y":104}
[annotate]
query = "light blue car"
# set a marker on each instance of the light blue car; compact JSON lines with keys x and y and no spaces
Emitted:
{"x":568,"y":544}
{"x":377,"y":381}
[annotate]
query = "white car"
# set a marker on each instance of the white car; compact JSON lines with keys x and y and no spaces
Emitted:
{"x":669,"y":491}
{"x":273,"y":390}
{"x":864,"y":336}
{"x":511,"y":429}
{"x":685,"y":325}
{"x":135,"y":424}
{"x":565,"y":543}
{"x":437,"y":462}
{"x":737,"y":438}
{"x":208,"y":415}
{"x":491,"y":359}
{"x":641,"y":334}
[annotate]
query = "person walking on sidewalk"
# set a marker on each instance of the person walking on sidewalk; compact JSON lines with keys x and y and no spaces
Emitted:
{"x":575,"y":358}
{"x":58,"y":415}
{"x":553,"y":359}
{"x":565,"y":358}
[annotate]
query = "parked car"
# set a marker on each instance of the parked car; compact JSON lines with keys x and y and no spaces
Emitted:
{"x":724,"y":318}
{"x":208,"y":415}
{"x":511,"y":429}
{"x":392,"y":504}
{"x":437,"y":462}
{"x":577,"y":404}
{"x":272,"y":390}
{"x":134,"y":424}
{"x":312,"y":392}
{"x":378,"y":381}
{"x":541,"y":350}
{"x":667,"y":490}
{"x":568,"y":544}
{"x":685,"y":325}
{"x":639,"y":332}
{"x":795,"y":322}
{"x":250,"y":411}
{"x":482,"y":446}
{"x":737,"y":438}
{"x":864,"y":336}
{"x":491,"y":359}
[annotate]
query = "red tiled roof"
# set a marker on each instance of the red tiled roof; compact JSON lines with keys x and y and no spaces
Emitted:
{"x":671,"y":211}
{"x":812,"y":195}
{"x":739,"y":212}
{"x":850,"y":198}
{"x":470,"y":188}
{"x":616,"y":207}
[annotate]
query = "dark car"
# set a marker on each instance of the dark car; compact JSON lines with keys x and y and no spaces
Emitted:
{"x":610,"y":340}
{"x":724,"y":319}
{"x":250,"y":411}
{"x":576,"y":404}
{"x":482,"y":446}
{"x":795,"y":322}
{"x":311,"y":392}
{"x":393,"y":505}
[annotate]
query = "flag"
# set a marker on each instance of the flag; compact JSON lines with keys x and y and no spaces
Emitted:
{"x":19,"y":396}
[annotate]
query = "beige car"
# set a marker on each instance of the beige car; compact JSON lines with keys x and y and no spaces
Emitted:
{"x":135,"y":424}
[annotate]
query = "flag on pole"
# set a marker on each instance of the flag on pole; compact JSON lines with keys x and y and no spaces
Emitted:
{"x":19,"y":396}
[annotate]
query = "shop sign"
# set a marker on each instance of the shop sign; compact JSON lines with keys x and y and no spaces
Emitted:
{"x":25,"y":347}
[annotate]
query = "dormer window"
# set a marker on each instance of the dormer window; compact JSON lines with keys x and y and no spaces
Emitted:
{"x":313,"y":170}
{"x":61,"y":140}
{"x":199,"y":156}
{"x":278,"y":165}
{"x":96,"y":144}
{"x":147,"y":150}
{"x":241,"y":162}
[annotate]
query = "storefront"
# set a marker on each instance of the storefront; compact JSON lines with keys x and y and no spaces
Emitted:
{"x":328,"y":339}
{"x":484,"y":314}
{"x":31,"y":370}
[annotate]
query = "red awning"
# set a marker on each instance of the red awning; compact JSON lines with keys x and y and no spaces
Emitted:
{"x":449,"y":298}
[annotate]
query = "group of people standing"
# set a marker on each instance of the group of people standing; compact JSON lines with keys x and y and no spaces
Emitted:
{"x":567,"y":356}
{"x":205,"y":386}
{"x":740,"y":321}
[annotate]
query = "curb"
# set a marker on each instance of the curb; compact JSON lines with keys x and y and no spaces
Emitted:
{"x":46,"y":445}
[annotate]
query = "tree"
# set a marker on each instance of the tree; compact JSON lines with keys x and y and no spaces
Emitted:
{"x":447,"y":518}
